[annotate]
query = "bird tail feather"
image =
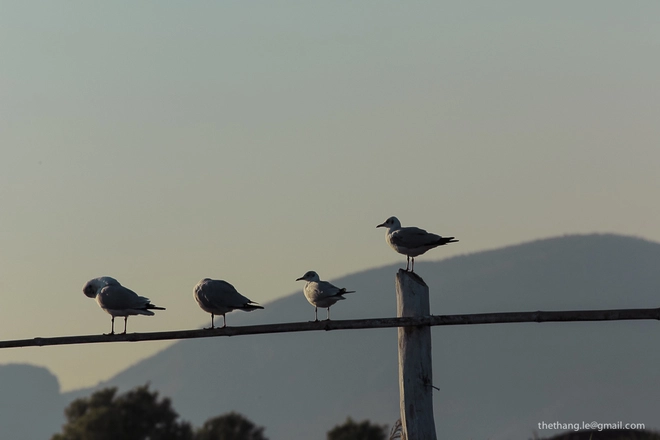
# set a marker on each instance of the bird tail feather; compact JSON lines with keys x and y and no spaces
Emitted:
{"x":153,"y":307}
{"x":250,"y":307}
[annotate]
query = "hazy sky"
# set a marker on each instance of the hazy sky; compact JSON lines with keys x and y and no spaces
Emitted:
{"x":161,"y":142}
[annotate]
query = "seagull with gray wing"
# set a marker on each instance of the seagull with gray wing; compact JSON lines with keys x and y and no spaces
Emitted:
{"x":218,"y":297}
{"x":321,"y":293}
{"x":117,"y":300}
{"x":411,"y":241}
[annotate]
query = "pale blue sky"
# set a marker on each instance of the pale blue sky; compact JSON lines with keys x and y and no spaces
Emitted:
{"x":162,"y":142}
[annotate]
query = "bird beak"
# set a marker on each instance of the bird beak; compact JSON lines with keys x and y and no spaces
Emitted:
{"x":382,"y":225}
{"x":298,"y":279}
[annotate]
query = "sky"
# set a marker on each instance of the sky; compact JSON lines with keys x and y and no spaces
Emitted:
{"x":162,"y":142}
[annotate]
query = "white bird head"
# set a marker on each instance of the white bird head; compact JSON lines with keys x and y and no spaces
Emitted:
{"x":92,"y":287}
{"x":390,"y":223}
{"x":309,"y":276}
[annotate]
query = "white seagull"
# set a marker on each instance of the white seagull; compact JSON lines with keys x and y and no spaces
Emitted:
{"x":411,"y":241}
{"x":321,"y":293}
{"x":117,"y":300}
{"x":218,"y":297}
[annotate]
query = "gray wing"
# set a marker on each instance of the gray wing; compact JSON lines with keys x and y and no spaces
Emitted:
{"x":117,"y":297}
{"x":323,"y":289}
{"x":326,"y":289}
{"x":412,"y":237}
{"x":323,"y":294}
{"x":219,"y":293}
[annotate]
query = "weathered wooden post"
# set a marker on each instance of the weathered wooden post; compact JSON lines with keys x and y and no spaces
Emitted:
{"x":415,"y":365}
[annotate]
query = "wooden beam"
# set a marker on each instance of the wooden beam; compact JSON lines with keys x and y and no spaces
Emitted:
{"x":353,"y":324}
{"x":415,"y":363}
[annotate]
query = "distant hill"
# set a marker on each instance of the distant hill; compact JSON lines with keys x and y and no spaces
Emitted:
{"x":29,"y":393}
{"x":495,"y":381}
{"x":624,"y":434}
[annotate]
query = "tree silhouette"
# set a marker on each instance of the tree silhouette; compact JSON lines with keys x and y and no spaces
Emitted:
{"x":135,"y":415}
{"x":231,"y":426}
{"x":351,"y":430}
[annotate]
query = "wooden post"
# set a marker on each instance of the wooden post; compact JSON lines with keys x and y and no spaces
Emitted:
{"x":415,"y":365}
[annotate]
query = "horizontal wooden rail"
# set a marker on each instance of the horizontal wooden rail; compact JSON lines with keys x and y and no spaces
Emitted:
{"x":433,"y":320}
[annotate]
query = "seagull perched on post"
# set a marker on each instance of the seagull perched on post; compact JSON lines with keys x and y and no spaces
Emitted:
{"x":218,"y":297}
{"x":411,"y":241}
{"x":321,"y":293}
{"x":117,"y":300}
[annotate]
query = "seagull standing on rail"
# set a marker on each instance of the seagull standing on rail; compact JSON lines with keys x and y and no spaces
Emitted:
{"x":117,"y":300}
{"x":411,"y":241}
{"x":321,"y":293}
{"x":218,"y":297}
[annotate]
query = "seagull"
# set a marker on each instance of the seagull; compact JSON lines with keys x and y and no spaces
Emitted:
{"x":117,"y":300}
{"x":321,"y":293}
{"x":411,"y":241}
{"x":218,"y":297}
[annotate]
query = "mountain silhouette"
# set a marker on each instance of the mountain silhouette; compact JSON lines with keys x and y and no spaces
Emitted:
{"x":30,"y":402}
{"x":496,"y":381}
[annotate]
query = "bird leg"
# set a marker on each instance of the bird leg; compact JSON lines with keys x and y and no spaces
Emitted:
{"x":125,"y":319}
{"x":112,"y":332}
{"x":412,"y":269}
{"x":212,"y":324}
{"x":407,"y":262}
{"x":316,"y":315}
{"x":224,"y":321}
{"x":328,"y":314}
